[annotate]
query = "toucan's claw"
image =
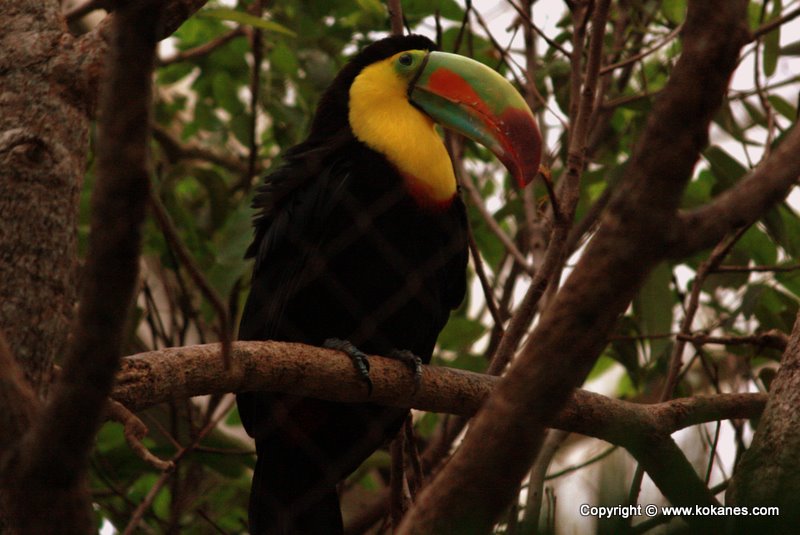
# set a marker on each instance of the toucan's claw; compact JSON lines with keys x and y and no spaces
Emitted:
{"x":412,"y":361}
{"x":358,"y":357}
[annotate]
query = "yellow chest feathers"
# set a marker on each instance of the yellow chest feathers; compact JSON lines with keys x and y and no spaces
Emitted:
{"x":382,"y":118}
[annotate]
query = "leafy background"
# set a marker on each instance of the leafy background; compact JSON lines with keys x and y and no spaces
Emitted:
{"x":202,"y":151}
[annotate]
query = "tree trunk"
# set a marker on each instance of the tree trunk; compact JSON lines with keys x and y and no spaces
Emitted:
{"x":44,"y":131}
{"x":769,"y":472}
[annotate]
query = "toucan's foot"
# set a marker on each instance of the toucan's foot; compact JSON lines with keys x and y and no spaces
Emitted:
{"x":358,"y":357}
{"x":412,"y":361}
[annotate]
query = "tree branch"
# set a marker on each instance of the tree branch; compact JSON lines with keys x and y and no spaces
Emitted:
{"x":176,"y":373}
{"x":176,"y":151}
{"x":204,"y":49}
{"x":395,"y":16}
{"x":153,"y":377}
{"x":742,"y":204}
{"x":772,"y":338}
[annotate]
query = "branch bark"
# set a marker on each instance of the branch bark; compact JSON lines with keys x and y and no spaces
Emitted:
{"x":153,"y":377}
{"x":506,"y":435}
{"x":176,"y":373}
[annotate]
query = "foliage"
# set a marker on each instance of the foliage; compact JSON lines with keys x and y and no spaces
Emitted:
{"x":205,"y":102}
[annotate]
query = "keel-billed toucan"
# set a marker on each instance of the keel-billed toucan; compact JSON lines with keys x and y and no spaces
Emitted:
{"x":361,"y":239}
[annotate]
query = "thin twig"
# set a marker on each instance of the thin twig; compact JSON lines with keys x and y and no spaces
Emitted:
{"x":574,"y":468}
{"x":490,"y":221}
{"x":176,"y":244}
{"x":762,"y":97}
{"x":480,"y":271}
{"x":505,"y":57}
{"x":135,"y":431}
{"x":527,"y":20}
{"x":412,"y":453}
{"x":773,"y":24}
{"x":552,"y":442}
{"x":462,"y":27}
{"x":257,"y":49}
{"x":176,"y":151}
{"x":143,"y":507}
{"x":755,"y":269}
{"x":551,"y":267}
{"x":204,"y":49}
{"x":773,"y":338}
{"x":397,"y":480}
{"x":715,"y":258}
{"x":643,"y":54}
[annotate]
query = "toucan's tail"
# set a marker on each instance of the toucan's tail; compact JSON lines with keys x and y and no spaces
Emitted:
{"x":288,"y":496}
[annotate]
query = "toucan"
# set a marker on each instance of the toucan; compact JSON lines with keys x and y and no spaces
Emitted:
{"x":361,"y":245}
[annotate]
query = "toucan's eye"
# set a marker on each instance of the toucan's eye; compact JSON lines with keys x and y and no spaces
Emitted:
{"x":405,"y":60}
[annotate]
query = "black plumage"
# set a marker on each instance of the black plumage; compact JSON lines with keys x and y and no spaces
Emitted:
{"x":342,"y":250}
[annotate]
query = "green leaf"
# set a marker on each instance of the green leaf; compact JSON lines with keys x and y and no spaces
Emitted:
{"x":755,"y":113}
{"x":783,"y":226}
{"x":674,"y":10}
{"x":601,"y":366}
{"x":225,"y":93}
{"x":698,"y":192}
{"x":792,"y":49}
{"x":460,"y":333}
{"x":772,"y":41}
{"x":417,"y":9}
{"x":783,"y":107}
{"x":756,"y":245}
{"x":727,"y":170}
{"x":790,"y":280}
{"x":624,"y":347}
{"x":245,"y":18}
{"x":771,"y":307}
{"x":283,"y":59}
{"x":229,"y":243}
{"x":226,"y":464}
{"x":489,"y":245}
{"x":652,"y":308}
{"x":172,"y":73}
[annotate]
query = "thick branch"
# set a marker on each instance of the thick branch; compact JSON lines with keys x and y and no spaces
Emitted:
{"x":178,"y":373}
{"x":175,"y":373}
{"x":742,"y":204}
{"x":506,"y":435}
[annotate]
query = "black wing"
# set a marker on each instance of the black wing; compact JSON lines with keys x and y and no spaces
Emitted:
{"x":294,"y":202}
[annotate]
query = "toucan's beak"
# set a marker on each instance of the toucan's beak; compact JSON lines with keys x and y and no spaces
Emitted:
{"x":467,"y":96}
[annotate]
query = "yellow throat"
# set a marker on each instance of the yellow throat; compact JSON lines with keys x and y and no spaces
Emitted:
{"x":382,"y":118}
